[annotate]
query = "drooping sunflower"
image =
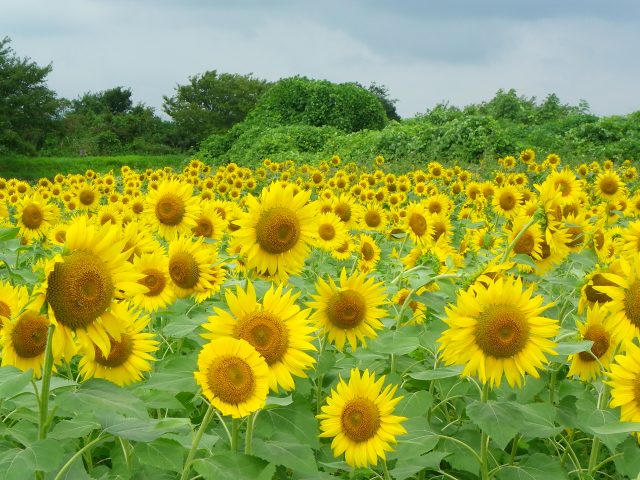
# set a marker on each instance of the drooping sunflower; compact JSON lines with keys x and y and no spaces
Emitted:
{"x":349,"y":312}
{"x":359,"y":417}
{"x":194,"y":268}
{"x":12,"y":300}
{"x":497,"y":330}
{"x":172,"y":209}
{"x":329,"y":232}
{"x":591,"y":292}
{"x":233,"y":376}
{"x":35,"y":216}
{"x":624,"y":379}
{"x":24,"y":340}
{"x":277,"y":230}
{"x":82,"y":284}
{"x":160,"y":294}
{"x":625,"y":299}
{"x":277,"y":328}
{"x":590,"y":364}
{"x":128,"y":357}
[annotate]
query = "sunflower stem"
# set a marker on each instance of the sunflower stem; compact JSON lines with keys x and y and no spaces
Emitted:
{"x":595,"y":446}
{"x":320,"y":379}
{"x":249,"y":434}
{"x":235,"y":434}
{"x":196,"y":441}
{"x":385,"y":470}
{"x":46,"y":383}
{"x":484,"y":440}
{"x":514,"y":448}
{"x":62,"y":472}
{"x":517,"y":238}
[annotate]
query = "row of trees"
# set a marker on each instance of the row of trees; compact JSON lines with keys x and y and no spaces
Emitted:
{"x":33,"y":119}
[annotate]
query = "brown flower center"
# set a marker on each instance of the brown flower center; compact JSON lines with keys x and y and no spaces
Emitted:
{"x":183,"y":270}
{"x":87,"y":197}
{"x":154,"y":281}
{"x":418,"y":224}
{"x":502,"y":331}
{"x":32,"y":217}
{"x":327,"y":232}
{"x":368,"y":252}
{"x":29,"y":335}
{"x":5,"y":310}
{"x":204,"y":228}
{"x":342,"y":210}
{"x":231,"y":379}
{"x":278,"y":230}
{"x":593,"y":295}
{"x":170,"y":209}
{"x":632,"y":303}
{"x":507,"y":201}
{"x":608,"y":185}
{"x":119,"y":352}
{"x":360,"y":419}
{"x":601,"y":341}
{"x":346,"y":309}
{"x":266,"y":332}
{"x":525,"y":244}
{"x":372,"y":219}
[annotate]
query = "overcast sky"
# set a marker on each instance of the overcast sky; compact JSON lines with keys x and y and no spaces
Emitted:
{"x":424,"y":51}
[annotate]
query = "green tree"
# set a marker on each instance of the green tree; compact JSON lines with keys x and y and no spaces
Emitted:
{"x":28,"y":109}
{"x":212,"y":103}
{"x":114,"y":100}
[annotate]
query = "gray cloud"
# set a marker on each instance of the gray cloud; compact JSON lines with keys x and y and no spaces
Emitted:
{"x":423,"y":51}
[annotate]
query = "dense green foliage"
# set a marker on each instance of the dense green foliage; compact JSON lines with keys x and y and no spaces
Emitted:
{"x":212,"y":103}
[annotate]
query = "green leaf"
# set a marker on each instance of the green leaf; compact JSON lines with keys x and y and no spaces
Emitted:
{"x":295,"y":456}
{"x":524,"y":259}
{"x":535,"y":467}
{"x":8,"y":233}
{"x":45,"y":455}
{"x":414,"y":404}
{"x":15,"y":467}
{"x":398,"y":342}
{"x":628,"y":463}
{"x":407,"y":467}
{"x":500,"y":420}
{"x":182,"y":326}
{"x":13,"y":381}
{"x":438,"y":373}
{"x":103,"y":398}
{"x":418,"y":440}
{"x":601,"y":419}
{"x":75,"y":428}
{"x":295,"y":421}
{"x":568,"y":348}
{"x":174,"y":382}
{"x":234,"y":466}
{"x":617,"y":427}
{"x":147,"y":430}
{"x":162,"y":453}
{"x":539,"y":421}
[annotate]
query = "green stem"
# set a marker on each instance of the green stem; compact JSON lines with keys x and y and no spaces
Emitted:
{"x":196,"y":441}
{"x":249,"y":435}
{"x":46,"y":383}
{"x":563,"y":458}
{"x":320,"y":378}
{"x":484,"y":441}
{"x":62,"y":472}
{"x":385,"y":470}
{"x":235,"y":434}
{"x":595,"y":446}
{"x":517,"y":238}
{"x":552,"y":386}
{"x":514,"y":448}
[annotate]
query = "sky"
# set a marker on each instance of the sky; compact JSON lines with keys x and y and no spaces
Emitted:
{"x":424,"y":51}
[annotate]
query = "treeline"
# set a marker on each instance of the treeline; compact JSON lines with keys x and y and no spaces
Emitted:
{"x":223,"y":117}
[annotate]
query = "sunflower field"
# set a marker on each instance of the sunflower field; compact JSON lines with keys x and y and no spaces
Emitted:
{"x":322,"y":321}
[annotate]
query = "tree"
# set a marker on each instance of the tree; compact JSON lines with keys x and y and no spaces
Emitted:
{"x":28,"y":108}
{"x":389,"y":104}
{"x":212,"y":103}
{"x":114,"y":100}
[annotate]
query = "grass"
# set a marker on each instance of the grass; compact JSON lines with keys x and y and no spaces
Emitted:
{"x":33,"y":168}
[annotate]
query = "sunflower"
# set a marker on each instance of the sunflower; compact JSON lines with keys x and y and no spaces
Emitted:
{"x":417,"y":225}
{"x":345,"y":249}
{"x":194,"y":269}
{"x":128,"y":357}
{"x":108,"y":214}
{"x":416,"y":309}
{"x":24,"y":340}
{"x":608,"y":185}
{"x":368,"y":253}
{"x":12,"y":300}
{"x":625,"y":300}
{"x":35,"y":216}
{"x":160,"y":294}
{"x":359,"y":417}
{"x":624,"y":379}
{"x":530,"y":242}
{"x":209,"y":223}
{"x":590,"y":364}
{"x":233,"y":376}
{"x":346,"y":208}
{"x":506,"y":201}
{"x":276,"y":230}
{"x":351,"y":311}
{"x":87,"y":197}
{"x":329,"y":232}
{"x":172,"y":209}
{"x":374,"y":217}
{"x":497,"y":329}
{"x":82,"y":284}
{"x":277,"y":328}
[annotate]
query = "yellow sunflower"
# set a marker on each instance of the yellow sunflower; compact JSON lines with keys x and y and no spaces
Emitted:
{"x":277,"y":328}
{"x":506,"y":201}
{"x":277,"y":230}
{"x":608,"y":185}
{"x":233,"y":376}
{"x":172,"y":209}
{"x":128,"y":357}
{"x":497,"y":330}
{"x":359,"y":417}
{"x":368,"y":253}
{"x":530,"y":242}
{"x":160,"y":294}
{"x":374,"y":217}
{"x":24,"y":340}
{"x":416,"y":309}
{"x":12,"y":300}
{"x":417,"y":223}
{"x":329,"y":232}
{"x":591,"y":293}
{"x":345,"y":249}
{"x":209,"y":223}
{"x":82,"y":284}
{"x":87,"y":196}
{"x":350,"y":311}
{"x":194,"y":268}
{"x":590,"y":364}
{"x":35,"y":216}
{"x":624,"y":379}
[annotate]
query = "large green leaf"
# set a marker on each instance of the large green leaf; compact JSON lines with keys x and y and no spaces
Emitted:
{"x":103,"y":399}
{"x":414,"y":404}
{"x":398,"y":342}
{"x":74,"y":428}
{"x":295,"y":422}
{"x":172,"y":382}
{"x":234,"y":466}
{"x":146,"y":430}
{"x":538,"y":420}
{"x":535,"y":467}
{"x":296,"y":456}
{"x":616,"y":427}
{"x":406,"y":468}
{"x":13,"y":381}
{"x":8,"y":233}
{"x":437,"y":374}
{"x":162,"y":453}
{"x":500,"y":420}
